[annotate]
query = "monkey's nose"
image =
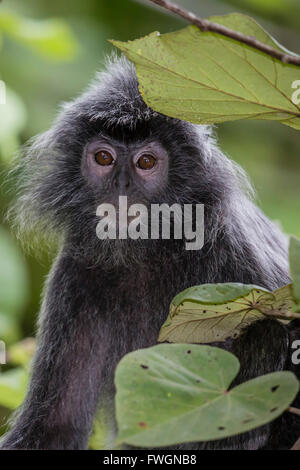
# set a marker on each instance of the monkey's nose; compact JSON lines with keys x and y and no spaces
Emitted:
{"x":122,"y":182}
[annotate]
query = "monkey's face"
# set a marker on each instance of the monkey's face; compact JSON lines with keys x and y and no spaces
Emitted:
{"x":107,"y":144}
{"x":112,"y":168}
{"x":148,"y":166}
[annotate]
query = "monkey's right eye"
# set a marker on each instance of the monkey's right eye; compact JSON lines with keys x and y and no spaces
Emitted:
{"x":104,"y":158}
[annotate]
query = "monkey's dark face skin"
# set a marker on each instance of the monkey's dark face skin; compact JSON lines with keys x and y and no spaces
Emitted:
{"x":138,"y":170}
{"x":105,"y":298}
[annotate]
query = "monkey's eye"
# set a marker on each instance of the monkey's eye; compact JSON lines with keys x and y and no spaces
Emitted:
{"x":146,"y":162}
{"x":104,"y":158}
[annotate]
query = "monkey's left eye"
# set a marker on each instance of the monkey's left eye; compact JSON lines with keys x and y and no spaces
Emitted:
{"x":104,"y":158}
{"x":146,"y":162}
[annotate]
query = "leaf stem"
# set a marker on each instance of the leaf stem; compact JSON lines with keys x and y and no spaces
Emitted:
{"x":296,"y":446}
{"x":294,"y":410}
{"x":205,"y":25}
{"x":278,"y":313}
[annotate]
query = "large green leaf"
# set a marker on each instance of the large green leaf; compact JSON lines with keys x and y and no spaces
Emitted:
{"x":215,"y":293}
{"x":294,"y":254}
{"x":204,"y":77}
{"x":170,"y":394}
{"x":215,"y":312}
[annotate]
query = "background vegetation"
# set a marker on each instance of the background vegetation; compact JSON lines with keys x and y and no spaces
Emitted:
{"x":49,"y":52}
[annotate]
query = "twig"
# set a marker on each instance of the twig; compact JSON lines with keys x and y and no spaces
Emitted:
{"x":205,"y":25}
{"x":294,"y":410}
{"x":296,"y":446}
{"x":277,"y":313}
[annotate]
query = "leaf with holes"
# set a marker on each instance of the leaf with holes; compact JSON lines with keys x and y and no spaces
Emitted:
{"x":294,"y":255}
{"x":173,"y":393}
{"x":204,"y":77}
{"x":215,"y":312}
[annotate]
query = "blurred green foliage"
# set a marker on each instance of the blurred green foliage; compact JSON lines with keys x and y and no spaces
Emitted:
{"x":285,"y":13}
{"x":14,"y":287}
{"x":49,"y":52}
{"x":51,"y":39}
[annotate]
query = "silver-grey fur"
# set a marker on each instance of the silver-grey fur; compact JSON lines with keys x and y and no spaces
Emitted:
{"x":104,"y":299}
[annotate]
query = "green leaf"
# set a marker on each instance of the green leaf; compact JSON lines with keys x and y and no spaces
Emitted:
{"x":205,"y":78}
{"x":13,"y":384}
{"x":51,"y":38}
{"x":170,"y":394}
{"x":12,"y":122}
{"x":294,"y":255}
{"x":14,"y":288}
{"x":215,"y":312}
{"x":215,"y":293}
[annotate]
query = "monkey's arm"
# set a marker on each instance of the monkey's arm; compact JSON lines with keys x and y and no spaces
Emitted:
{"x":63,"y":393}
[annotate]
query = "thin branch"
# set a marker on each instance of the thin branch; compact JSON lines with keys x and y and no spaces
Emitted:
{"x":296,"y":446}
{"x":277,"y":313}
{"x":294,"y":410}
{"x":205,"y":25}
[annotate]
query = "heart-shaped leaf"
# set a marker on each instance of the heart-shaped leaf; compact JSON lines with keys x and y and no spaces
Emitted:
{"x":170,"y":394}
{"x":215,"y":312}
{"x":204,"y":77}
